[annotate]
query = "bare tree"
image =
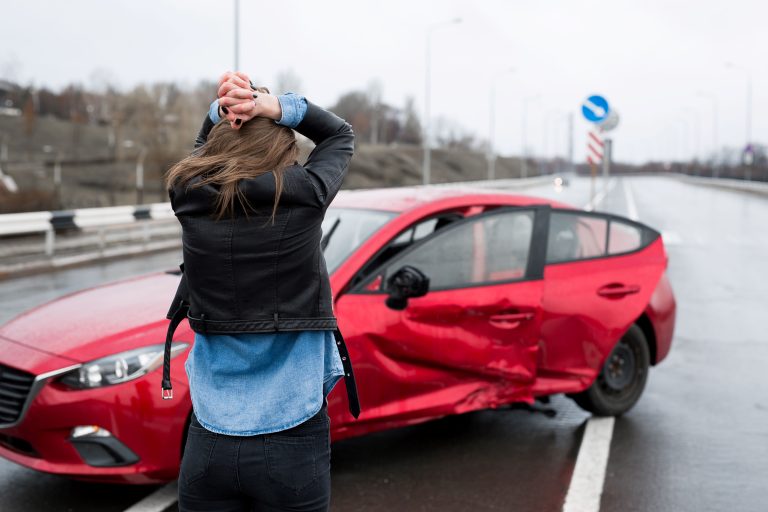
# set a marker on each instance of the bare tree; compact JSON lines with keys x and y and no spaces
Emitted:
{"x":410,"y":132}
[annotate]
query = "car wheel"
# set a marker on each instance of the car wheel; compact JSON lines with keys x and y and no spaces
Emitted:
{"x":622,"y":380}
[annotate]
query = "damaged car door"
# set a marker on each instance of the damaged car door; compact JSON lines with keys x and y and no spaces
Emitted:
{"x":467,"y":337}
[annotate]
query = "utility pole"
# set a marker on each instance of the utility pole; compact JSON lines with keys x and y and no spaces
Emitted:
{"x":748,"y":113}
{"x":607,"y":156}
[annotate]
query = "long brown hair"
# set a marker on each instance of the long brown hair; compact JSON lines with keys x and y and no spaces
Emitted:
{"x":258,"y":147}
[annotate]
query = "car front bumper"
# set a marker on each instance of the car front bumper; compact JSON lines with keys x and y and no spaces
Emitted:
{"x":141,"y":434}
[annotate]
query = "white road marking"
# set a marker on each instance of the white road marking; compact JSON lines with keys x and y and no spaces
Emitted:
{"x":589,"y":474}
{"x":158,"y":501}
{"x":630,"y":198}
{"x":600,"y":195}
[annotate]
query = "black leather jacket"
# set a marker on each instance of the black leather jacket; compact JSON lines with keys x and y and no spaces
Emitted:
{"x":245,"y":274}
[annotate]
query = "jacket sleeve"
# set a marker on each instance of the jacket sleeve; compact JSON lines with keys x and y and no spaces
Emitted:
{"x":334,"y":144}
{"x":202,"y":135}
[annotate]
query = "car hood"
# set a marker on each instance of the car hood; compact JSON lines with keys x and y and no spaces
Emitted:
{"x":98,"y":321}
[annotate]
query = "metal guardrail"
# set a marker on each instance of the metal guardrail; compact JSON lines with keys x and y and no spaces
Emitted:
{"x":758,"y":187}
{"x":52,"y":222}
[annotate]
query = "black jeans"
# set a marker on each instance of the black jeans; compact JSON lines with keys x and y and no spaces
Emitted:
{"x":288,"y":470}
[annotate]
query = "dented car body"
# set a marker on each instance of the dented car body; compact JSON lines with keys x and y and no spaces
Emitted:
{"x":525,"y":298}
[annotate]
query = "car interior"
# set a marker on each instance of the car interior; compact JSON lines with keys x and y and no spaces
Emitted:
{"x":406,"y":239}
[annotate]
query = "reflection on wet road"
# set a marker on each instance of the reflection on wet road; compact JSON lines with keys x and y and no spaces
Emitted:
{"x":696,"y":441}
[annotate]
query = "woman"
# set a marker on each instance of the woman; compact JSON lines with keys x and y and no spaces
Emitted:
{"x":255,"y":290}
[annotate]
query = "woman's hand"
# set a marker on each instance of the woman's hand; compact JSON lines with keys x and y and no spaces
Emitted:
{"x":240,"y":102}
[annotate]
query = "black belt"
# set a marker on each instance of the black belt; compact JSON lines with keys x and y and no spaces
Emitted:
{"x":349,"y":376}
{"x":181,"y":313}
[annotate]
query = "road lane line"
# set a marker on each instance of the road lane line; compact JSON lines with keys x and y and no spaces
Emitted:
{"x":630,"y":197}
{"x":589,"y":474}
{"x":158,"y":501}
{"x":600,"y":196}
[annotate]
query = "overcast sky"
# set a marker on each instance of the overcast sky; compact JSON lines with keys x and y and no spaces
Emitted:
{"x":650,"y":58}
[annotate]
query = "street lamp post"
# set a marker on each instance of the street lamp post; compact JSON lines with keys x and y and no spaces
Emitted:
{"x":748,"y":116}
{"x":524,"y":135}
{"x":426,"y":161}
{"x":492,"y":123}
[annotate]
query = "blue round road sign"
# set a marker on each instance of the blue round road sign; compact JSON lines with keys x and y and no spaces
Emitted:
{"x":595,"y":108}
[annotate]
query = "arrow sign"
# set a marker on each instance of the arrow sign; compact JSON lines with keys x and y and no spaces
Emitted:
{"x":595,"y":108}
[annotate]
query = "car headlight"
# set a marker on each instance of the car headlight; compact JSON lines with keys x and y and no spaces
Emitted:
{"x":119,"y":368}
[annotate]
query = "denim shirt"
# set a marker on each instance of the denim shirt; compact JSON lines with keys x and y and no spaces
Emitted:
{"x":293,"y":106}
{"x":258,"y":383}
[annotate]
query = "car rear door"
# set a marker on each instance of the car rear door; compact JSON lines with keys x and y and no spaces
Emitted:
{"x":600,"y":273}
{"x":471,"y":341}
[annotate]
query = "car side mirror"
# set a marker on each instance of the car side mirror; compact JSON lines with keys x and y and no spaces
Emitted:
{"x":404,"y":284}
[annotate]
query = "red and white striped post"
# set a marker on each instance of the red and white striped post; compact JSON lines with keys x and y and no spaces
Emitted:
{"x":595,"y":153}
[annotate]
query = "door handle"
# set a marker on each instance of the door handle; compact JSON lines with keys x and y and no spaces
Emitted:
{"x":509,"y":320}
{"x":617,"y":290}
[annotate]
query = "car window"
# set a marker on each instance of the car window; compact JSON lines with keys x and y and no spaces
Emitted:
{"x":411,"y":235}
{"x":345,"y":229}
{"x":424,"y":228}
{"x":492,"y":248}
{"x":624,"y":237}
{"x":574,"y":237}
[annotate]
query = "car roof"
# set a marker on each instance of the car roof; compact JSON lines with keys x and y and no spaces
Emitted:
{"x":401,"y":199}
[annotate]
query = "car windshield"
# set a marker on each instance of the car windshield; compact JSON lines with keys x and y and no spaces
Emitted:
{"x":345,"y":229}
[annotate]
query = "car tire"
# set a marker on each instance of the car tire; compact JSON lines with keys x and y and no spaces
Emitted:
{"x":622,"y":379}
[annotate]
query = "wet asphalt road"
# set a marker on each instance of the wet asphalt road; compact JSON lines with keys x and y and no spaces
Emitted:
{"x":696,"y":441}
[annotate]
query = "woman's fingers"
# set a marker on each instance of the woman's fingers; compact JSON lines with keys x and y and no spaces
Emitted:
{"x":226,"y":101}
{"x":230,"y":85}
{"x":225,"y":88}
{"x":243,"y":76}
{"x":245,"y":107}
{"x":224,"y":77}
{"x":243,"y":93}
{"x":239,"y":81}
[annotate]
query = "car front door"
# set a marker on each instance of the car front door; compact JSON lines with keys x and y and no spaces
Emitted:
{"x":601,"y":271}
{"x":471,"y":341}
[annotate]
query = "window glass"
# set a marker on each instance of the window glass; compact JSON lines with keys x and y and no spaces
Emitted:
{"x":624,"y":237}
{"x":493,"y":248}
{"x":424,"y":228}
{"x":507,"y":247}
{"x":574,"y":237}
{"x":345,"y":229}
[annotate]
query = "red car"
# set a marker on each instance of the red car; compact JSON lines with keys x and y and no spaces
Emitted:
{"x":450,"y":300}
